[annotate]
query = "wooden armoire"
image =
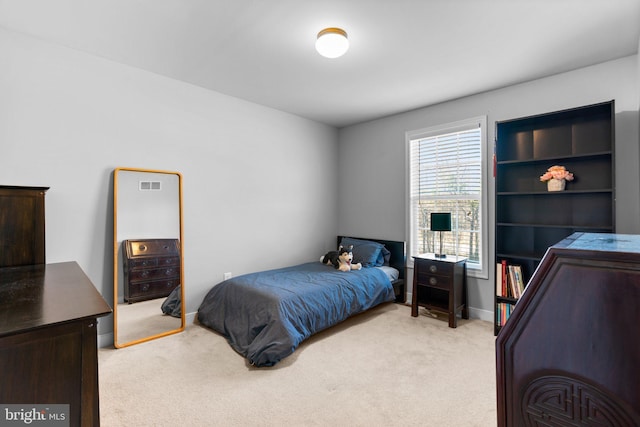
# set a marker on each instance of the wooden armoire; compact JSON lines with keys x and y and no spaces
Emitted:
{"x":570,"y":353}
{"x":48,"y":317}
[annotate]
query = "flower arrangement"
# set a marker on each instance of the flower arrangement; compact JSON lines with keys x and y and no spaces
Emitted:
{"x":557,"y":172}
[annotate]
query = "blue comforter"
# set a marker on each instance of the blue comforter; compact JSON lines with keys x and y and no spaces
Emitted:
{"x":266,"y":315}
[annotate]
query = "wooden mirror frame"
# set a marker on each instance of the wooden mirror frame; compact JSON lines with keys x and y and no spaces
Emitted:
{"x":117,"y":260}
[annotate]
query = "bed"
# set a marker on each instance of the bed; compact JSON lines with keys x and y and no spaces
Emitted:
{"x":266,"y":315}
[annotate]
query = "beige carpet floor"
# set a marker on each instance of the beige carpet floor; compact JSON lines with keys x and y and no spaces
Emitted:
{"x":143,"y":319}
{"x":380,"y":368}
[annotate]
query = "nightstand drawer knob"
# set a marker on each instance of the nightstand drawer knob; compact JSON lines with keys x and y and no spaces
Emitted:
{"x":433,"y":281}
{"x":433,"y":268}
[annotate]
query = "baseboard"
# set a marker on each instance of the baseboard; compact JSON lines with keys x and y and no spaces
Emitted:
{"x":477,"y":313}
{"x":105,"y":340}
{"x":190,"y":318}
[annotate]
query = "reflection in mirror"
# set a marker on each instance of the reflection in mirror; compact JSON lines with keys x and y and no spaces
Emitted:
{"x":147,"y":255}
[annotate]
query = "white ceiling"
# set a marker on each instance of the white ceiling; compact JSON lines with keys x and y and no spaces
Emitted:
{"x":404,"y":54}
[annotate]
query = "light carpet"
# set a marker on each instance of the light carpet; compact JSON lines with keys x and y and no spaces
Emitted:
{"x":143,"y":319}
{"x":379,"y":368}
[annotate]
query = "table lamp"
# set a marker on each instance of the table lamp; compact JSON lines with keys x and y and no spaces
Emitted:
{"x":440,"y":221}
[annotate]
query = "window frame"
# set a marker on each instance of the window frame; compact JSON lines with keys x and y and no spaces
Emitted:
{"x":480,"y":270}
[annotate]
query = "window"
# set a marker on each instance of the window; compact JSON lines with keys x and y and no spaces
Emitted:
{"x":447,"y":173}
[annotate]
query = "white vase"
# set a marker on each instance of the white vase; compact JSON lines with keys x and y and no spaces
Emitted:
{"x":556,"y":184}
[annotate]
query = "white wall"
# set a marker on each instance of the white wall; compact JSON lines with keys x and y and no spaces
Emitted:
{"x":259,"y":184}
{"x":372,"y":155}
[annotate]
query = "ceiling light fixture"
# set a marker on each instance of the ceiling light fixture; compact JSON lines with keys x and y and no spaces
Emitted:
{"x":332,"y":42}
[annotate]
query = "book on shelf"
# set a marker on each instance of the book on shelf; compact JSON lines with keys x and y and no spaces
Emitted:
{"x":504,"y":278}
{"x":519,"y":280}
{"x":513,"y":284}
{"x":499,"y":279}
{"x":509,"y":280}
{"x":503,"y":312}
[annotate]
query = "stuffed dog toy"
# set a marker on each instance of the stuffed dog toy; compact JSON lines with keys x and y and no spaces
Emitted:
{"x":341,"y":259}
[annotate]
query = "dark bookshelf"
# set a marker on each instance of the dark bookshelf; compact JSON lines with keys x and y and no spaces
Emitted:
{"x":530,"y":219}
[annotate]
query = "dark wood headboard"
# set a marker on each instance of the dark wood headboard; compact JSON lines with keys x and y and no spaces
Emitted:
{"x":398,"y":259}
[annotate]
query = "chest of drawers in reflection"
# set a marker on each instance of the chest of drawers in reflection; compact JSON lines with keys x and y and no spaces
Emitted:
{"x":151,"y":268}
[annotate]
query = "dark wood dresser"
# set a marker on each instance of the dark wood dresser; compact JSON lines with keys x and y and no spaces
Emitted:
{"x":570,"y":353}
{"x":48,"y":316}
{"x":48,"y":347}
{"x":151,"y":268}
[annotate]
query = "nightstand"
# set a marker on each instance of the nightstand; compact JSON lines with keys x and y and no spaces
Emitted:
{"x":440,"y":284}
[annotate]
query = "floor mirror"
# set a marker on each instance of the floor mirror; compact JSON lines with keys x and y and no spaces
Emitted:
{"x":148,"y":276}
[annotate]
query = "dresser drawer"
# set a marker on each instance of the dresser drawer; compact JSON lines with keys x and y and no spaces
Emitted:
{"x":170,"y":261}
{"x":155,"y":287}
{"x":154,"y":262}
{"x":142,"y":263}
{"x":147,"y":290}
{"x":152,"y":248}
{"x":154,"y":274}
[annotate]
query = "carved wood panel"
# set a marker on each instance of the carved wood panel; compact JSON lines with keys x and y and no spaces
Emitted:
{"x":557,"y":400}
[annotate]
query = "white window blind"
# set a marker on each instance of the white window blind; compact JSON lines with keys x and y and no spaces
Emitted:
{"x":446,"y":175}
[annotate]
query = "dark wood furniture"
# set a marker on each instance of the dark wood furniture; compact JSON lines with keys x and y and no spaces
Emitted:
{"x":151,"y":268}
{"x":48,"y":348}
{"x":569,"y":354}
{"x":529,"y":219}
{"x":440,"y":284}
{"x":400,"y":290}
{"x":22,"y":225}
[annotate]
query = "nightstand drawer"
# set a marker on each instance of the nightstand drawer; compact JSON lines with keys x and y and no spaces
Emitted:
{"x":442,"y":282}
{"x":436,"y":267}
